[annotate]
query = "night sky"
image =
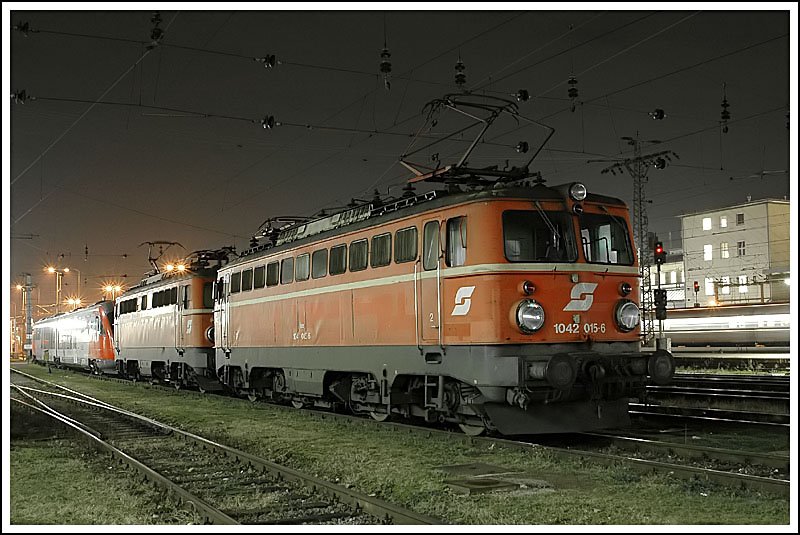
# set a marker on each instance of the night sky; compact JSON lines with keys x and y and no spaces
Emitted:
{"x":174,"y":148}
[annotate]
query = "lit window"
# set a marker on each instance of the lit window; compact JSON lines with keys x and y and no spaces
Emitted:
{"x":707,"y":251}
{"x":673,"y":277}
{"x":709,"y":286}
{"x":740,"y":250}
{"x":726,"y":285}
{"x":742,"y":284}
{"x":723,"y":250}
{"x":706,"y":223}
{"x":723,"y":221}
{"x":663,"y":277}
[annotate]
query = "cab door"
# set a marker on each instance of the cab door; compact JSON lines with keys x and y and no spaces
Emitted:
{"x":430,"y":293}
{"x":221,"y":316}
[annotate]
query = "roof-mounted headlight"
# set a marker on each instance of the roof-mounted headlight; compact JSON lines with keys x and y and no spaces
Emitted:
{"x":577,"y":191}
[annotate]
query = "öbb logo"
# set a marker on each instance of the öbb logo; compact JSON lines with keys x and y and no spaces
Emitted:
{"x":577,"y":292}
{"x":463,"y":301}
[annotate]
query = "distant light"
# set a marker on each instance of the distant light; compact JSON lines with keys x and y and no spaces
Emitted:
{"x":712,"y":303}
{"x":109,"y":288}
{"x":51,"y":269}
{"x":170,"y":267}
{"x":66,"y":270}
{"x":786,"y":281}
{"x":117,"y":288}
{"x":19,"y":286}
{"x":180,"y":267}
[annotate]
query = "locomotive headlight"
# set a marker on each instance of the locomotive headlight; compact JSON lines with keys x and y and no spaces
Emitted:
{"x":530,"y":316}
{"x":210,"y":334}
{"x":577,"y":191}
{"x":627,"y":315}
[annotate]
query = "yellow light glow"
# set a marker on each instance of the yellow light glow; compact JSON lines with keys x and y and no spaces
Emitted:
{"x":712,"y":303}
{"x":66,"y":270}
{"x":170,"y":267}
{"x":19,"y":286}
{"x":117,"y":288}
{"x":181,"y":267}
{"x":51,"y":269}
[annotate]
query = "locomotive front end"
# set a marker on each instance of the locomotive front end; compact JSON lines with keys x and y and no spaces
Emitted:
{"x":566,"y":301}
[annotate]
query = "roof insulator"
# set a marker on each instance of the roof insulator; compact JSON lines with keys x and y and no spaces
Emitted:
{"x":268,"y":122}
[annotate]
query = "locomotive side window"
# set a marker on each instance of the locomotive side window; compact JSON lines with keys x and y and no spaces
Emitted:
{"x":173,"y":295}
{"x":319,"y":263}
{"x":381,"y":250}
{"x":236,"y":282}
{"x":338,"y":264}
{"x":272,"y":273}
{"x":259,"y":277}
{"x":358,"y":255}
{"x":605,"y":239}
{"x":430,"y":245}
{"x":247,"y":280}
{"x":405,"y":245}
{"x":186,"y":296}
{"x":143,"y":306}
{"x":287,"y":270}
{"x":538,"y":236}
{"x":301,"y":267}
{"x":456,"y":241}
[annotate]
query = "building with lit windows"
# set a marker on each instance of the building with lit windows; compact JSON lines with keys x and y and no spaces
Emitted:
{"x":737,"y":254}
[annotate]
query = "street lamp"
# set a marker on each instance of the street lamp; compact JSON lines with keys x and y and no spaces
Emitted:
{"x":74,"y":302}
{"x":112,"y":289}
{"x":59,"y":275}
{"x":66,"y":270}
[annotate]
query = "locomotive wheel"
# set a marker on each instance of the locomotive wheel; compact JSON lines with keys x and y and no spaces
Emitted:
{"x":177,"y":385}
{"x":252,"y":396}
{"x":472,"y":430}
{"x":201,"y":389}
{"x":297,"y":404}
{"x":379,"y":416}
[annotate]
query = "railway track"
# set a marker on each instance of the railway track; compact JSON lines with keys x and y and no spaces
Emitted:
{"x":224,"y":485}
{"x":720,"y":416}
{"x":730,"y":476}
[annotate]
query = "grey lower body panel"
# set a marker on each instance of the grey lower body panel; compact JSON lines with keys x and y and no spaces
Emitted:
{"x":197,"y":358}
{"x":480,"y":366}
{"x":567,"y":417}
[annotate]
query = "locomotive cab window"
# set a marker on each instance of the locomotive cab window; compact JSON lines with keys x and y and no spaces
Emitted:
{"x":186,"y":296}
{"x":259,"y":277}
{"x":456,"y":241}
{"x":605,"y":239}
{"x":287,"y":270}
{"x":236,"y":282}
{"x":301,"y":266}
{"x":405,"y":245}
{"x":358,"y":255}
{"x":272,"y":274}
{"x":319,"y":263}
{"x":430,"y":245}
{"x":538,"y":236}
{"x":247,"y":280}
{"x":381,"y":250}
{"x":208,"y":302}
{"x":338,"y":263}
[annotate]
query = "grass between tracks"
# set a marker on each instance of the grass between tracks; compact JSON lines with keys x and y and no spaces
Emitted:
{"x":59,"y":482}
{"x":402,"y":468}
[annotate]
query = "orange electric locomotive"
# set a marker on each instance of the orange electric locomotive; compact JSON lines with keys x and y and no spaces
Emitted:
{"x":164,"y":327}
{"x":496,"y":303}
